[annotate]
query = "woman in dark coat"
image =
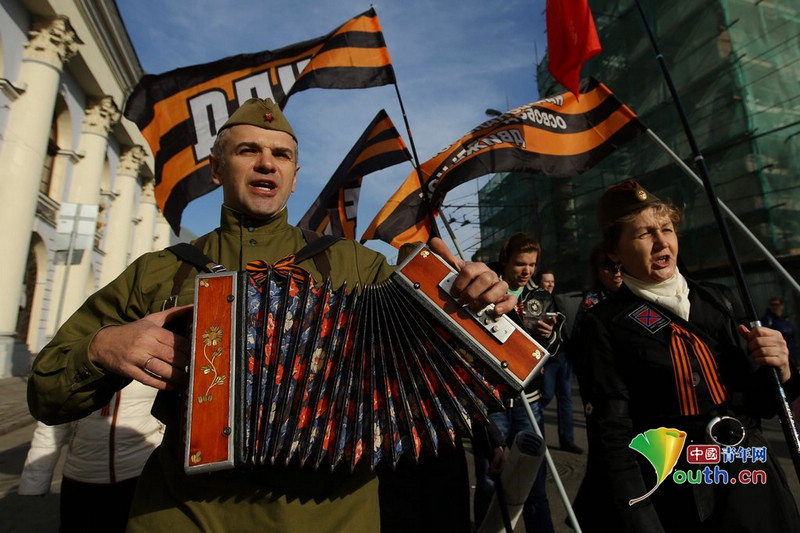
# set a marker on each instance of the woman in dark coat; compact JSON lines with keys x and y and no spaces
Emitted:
{"x":661,"y":361}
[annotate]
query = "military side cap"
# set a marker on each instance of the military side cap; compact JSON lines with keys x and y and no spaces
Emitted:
{"x":622,"y":199}
{"x":262,"y":114}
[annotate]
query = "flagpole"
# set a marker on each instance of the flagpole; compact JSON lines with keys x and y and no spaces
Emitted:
{"x":785,"y":412}
{"x":452,"y":235}
{"x":552,"y":466}
{"x":731,"y":215}
{"x":425,"y":194}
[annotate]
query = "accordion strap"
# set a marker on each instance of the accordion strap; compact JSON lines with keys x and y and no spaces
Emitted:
{"x":316,"y":244}
{"x":193,"y":256}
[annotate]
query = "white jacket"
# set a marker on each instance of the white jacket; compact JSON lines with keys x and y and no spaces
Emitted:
{"x":108,"y":446}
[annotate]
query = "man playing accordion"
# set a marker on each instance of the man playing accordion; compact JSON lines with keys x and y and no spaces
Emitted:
{"x":121,"y":333}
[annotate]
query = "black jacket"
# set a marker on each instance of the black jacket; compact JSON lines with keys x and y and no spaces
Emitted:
{"x":628,"y":384}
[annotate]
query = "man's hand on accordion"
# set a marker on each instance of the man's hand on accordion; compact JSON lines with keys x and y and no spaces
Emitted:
{"x":145,"y":350}
{"x":476,"y":285}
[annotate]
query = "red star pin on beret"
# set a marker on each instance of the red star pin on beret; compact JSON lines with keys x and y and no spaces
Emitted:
{"x":269,"y":117}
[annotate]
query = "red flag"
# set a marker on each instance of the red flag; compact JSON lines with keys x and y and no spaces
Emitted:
{"x":571,"y":40}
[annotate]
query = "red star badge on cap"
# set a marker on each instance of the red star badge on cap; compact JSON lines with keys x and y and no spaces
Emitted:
{"x":269,"y":117}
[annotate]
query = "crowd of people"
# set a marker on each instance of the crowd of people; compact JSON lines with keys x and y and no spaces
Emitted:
{"x":648,"y":347}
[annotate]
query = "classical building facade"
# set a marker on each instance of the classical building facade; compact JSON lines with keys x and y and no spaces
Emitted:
{"x":76,"y":192}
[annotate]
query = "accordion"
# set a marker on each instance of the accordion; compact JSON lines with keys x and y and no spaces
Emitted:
{"x":284,"y":370}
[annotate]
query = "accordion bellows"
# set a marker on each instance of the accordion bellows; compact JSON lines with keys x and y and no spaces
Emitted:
{"x":284,"y":370}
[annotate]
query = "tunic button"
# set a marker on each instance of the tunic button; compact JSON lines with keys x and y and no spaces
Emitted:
{"x":251,"y":229}
{"x":695,"y":378}
{"x":253,"y":242}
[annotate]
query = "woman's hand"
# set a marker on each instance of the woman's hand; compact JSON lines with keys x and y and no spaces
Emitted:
{"x":768,"y":348}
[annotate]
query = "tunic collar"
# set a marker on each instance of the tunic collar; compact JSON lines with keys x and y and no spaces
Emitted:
{"x":235,"y":222}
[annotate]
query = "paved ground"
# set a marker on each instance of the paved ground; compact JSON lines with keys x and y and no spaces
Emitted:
{"x":13,"y":405}
{"x":25,"y":514}
{"x":21,"y":514}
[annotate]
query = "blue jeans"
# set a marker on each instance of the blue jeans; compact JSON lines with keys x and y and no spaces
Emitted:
{"x":557,"y":382}
{"x":536,"y":511}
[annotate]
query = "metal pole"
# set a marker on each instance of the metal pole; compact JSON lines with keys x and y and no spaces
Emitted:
{"x":452,"y":235}
{"x":731,"y":216}
{"x":784,"y":411}
{"x":704,"y":174}
{"x":552,"y":466}
{"x":425,"y":194}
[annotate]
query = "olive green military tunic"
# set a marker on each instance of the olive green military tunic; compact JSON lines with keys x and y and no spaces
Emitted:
{"x":65,"y":386}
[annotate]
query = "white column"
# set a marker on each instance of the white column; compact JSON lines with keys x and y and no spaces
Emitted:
{"x":118,"y":229}
{"x":144,"y":234}
{"x":84,"y":190}
{"x":51,"y":44}
{"x":163,"y":232}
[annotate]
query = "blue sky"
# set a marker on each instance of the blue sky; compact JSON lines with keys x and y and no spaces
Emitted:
{"x":453,"y":60}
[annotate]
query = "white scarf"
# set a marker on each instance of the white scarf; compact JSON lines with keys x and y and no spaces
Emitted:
{"x":673,"y":294}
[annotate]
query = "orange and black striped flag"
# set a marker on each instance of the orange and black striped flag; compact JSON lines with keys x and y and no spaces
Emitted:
{"x":407,"y":216}
{"x":179,"y":112}
{"x":556,"y":137}
{"x":334,"y":210}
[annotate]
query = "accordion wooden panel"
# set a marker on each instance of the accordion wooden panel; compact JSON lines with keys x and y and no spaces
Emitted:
{"x":282,"y":370}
